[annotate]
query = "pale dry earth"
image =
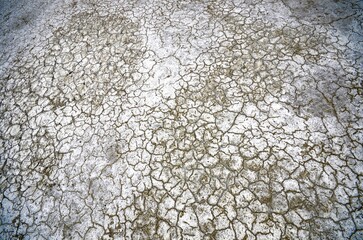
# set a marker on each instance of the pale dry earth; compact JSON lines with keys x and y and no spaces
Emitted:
{"x":187,"y":119}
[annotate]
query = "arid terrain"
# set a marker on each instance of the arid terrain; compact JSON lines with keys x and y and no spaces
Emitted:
{"x":191,"y":119}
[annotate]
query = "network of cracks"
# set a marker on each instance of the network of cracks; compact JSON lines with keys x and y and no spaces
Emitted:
{"x":191,"y":119}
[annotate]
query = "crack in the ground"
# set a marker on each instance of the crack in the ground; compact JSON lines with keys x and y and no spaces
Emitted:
{"x":181,"y":120}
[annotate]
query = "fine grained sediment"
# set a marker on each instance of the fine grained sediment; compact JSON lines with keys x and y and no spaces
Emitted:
{"x":181,"y":119}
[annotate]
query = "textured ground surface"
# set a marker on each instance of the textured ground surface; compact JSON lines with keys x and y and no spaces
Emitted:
{"x":181,"y":119}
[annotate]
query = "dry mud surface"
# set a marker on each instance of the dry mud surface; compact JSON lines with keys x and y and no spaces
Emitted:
{"x":181,"y":119}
